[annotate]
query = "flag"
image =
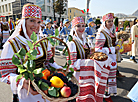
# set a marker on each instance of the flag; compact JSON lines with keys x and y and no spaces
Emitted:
{"x":87,"y":10}
{"x":82,"y":11}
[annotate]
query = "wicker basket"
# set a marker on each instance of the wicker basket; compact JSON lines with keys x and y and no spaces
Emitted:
{"x":73,"y":79}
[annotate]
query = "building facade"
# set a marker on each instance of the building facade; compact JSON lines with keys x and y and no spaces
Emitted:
{"x":73,"y":12}
{"x":13,"y":8}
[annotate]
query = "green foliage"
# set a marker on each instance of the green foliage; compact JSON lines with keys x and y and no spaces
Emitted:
{"x":97,"y":21}
{"x":24,"y":61}
{"x":116,"y":22}
{"x":59,"y":7}
{"x":126,"y":23}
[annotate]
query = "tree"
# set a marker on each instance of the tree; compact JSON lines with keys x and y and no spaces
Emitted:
{"x":116,"y":22}
{"x":126,"y":23}
{"x":59,"y":7}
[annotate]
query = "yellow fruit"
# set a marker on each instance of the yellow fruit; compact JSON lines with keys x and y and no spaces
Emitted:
{"x":56,"y":82}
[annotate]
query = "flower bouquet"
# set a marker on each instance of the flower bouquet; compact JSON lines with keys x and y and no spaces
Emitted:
{"x":53,"y":84}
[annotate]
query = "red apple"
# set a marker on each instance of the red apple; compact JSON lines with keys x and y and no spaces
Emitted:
{"x":65,"y":91}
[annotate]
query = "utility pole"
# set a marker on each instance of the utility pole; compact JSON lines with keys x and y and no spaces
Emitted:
{"x":54,"y":9}
{"x":87,"y":13}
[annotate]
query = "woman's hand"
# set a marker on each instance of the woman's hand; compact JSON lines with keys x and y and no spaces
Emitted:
{"x":117,"y":48}
{"x":26,"y":85}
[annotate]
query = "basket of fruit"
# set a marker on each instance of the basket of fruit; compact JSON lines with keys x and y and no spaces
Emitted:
{"x":53,"y":84}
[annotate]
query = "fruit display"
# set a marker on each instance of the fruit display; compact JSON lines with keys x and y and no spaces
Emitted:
{"x":99,"y":56}
{"x":56,"y":85}
{"x":51,"y":83}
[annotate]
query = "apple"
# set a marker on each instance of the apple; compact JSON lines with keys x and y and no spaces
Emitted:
{"x":65,"y":91}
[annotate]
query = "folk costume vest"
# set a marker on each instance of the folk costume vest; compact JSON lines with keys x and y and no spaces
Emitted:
{"x":82,"y":52}
{"x":16,"y":45}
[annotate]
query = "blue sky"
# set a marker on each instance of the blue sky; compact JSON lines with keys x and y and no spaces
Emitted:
{"x":101,"y":7}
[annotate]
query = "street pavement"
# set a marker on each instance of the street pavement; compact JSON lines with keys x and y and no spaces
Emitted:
{"x":124,"y":85}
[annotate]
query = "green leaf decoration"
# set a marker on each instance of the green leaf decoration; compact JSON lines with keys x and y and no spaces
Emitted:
{"x":38,"y":71}
{"x":38,"y":45}
{"x":69,"y":62}
{"x":21,"y":69}
{"x":18,"y":77}
{"x":44,"y":86}
{"x":52,"y":68}
{"x":84,"y":10}
{"x":26,"y":75}
{"x":51,"y":60}
{"x":22,"y":52}
{"x":60,"y":49}
{"x":18,"y":55}
{"x":66,"y":53}
{"x":38,"y":75}
{"x":52,"y":91}
{"x":65,"y":50}
{"x":31,"y":76}
{"x":52,"y":41}
{"x":34,"y":52}
{"x":71,"y":69}
{"x":39,"y":83}
{"x":56,"y":32}
{"x":70,"y":38}
{"x":70,"y":74}
{"x":65,"y":66}
{"x":33,"y":37}
{"x":30,"y":45}
{"x":15,"y":60}
{"x":57,"y":42}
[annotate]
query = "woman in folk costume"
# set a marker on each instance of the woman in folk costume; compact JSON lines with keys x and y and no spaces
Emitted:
{"x":105,"y":42}
{"x":91,"y":30}
{"x":31,"y":19}
{"x":48,"y":31}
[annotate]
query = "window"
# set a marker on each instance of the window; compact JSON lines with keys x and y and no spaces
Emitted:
{"x":6,"y":8}
{"x":1,"y":0}
{"x":3,"y":8}
{"x":48,"y":9}
{"x":0,"y":9}
{"x":48,"y":1}
{"x":9,"y":7}
{"x":70,"y":10}
{"x":41,"y":4}
{"x":74,"y":14}
{"x":70,"y":16}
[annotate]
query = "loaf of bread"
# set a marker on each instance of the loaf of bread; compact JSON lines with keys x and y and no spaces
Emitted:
{"x":99,"y":56}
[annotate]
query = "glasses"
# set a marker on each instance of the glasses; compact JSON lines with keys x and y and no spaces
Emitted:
{"x":78,"y":25}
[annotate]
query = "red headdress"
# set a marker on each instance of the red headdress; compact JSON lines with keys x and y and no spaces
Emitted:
{"x":77,"y":20}
{"x":109,"y":16}
{"x":31,"y":11}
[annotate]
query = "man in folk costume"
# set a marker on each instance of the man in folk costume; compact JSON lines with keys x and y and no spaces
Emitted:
{"x":91,"y":74}
{"x":134,"y":35}
{"x":31,"y":19}
{"x":105,"y":42}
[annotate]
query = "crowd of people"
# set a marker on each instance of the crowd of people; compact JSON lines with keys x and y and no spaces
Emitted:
{"x":15,"y":35}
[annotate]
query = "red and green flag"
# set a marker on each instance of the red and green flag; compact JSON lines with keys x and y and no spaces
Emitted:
{"x":83,"y":11}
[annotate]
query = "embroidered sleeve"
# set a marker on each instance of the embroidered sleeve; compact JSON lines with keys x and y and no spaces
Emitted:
{"x":100,"y":41}
{"x":73,"y":53}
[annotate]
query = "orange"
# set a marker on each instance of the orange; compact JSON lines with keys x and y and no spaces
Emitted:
{"x":61,"y":73}
{"x":46,"y":73}
{"x":56,"y":82}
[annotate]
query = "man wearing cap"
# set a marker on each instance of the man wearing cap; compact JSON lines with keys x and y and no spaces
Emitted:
{"x":90,"y":30}
{"x":134,"y":32}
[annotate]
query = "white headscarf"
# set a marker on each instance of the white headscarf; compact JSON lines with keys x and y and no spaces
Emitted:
{"x":17,"y":31}
{"x":104,"y":27}
{"x":77,"y":37}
